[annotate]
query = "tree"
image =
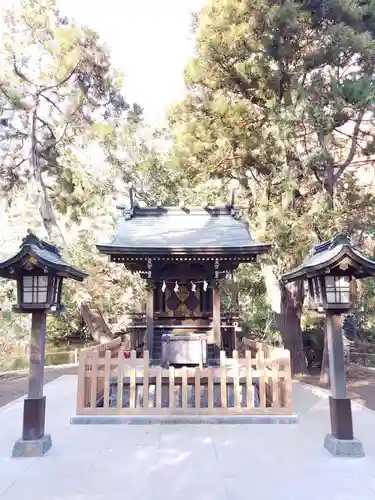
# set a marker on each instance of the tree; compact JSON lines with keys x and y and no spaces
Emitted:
{"x":281,"y":97}
{"x":59,"y":99}
{"x":56,"y":84}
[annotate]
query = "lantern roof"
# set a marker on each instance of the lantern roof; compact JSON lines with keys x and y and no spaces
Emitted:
{"x":36,"y":253}
{"x":337,"y":253}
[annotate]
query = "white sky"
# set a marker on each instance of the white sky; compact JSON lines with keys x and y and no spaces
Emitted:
{"x":150,"y":40}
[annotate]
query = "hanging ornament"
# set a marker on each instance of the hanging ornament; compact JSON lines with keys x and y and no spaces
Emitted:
{"x":193,"y":287}
{"x":176,"y":287}
{"x":205,"y":285}
{"x":164,"y":286}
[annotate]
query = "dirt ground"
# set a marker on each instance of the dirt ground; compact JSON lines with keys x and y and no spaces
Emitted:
{"x":361,"y":384}
{"x":14,"y":386}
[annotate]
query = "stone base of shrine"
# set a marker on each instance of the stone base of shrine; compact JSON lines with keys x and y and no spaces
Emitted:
{"x":344,"y":447}
{"x":182,"y":419}
{"x":35,"y":448}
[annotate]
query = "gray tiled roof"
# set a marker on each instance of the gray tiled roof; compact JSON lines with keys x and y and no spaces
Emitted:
{"x":328,"y":255}
{"x":177,"y":229}
{"x":46,"y":255}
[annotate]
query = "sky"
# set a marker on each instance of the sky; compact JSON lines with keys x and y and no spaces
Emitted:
{"x":150,"y":41}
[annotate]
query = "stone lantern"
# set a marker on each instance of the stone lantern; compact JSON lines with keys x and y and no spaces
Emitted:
{"x":39,"y":271}
{"x":331,"y":270}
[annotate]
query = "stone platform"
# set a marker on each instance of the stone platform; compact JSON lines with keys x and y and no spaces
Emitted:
{"x":204,"y":462}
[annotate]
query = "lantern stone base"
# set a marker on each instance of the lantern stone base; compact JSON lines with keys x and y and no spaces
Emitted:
{"x":36,"y":448}
{"x":344,"y":447}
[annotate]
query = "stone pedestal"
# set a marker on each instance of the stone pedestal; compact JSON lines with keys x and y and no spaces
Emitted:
{"x":32,"y":448}
{"x":344,"y":447}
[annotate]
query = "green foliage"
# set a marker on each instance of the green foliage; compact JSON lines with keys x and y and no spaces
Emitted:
{"x":256,"y":318}
{"x":281,"y":98}
{"x":62,"y":116}
{"x":57,"y":92}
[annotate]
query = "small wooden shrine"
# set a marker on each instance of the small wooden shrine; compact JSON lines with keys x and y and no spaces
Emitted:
{"x":184,"y":254}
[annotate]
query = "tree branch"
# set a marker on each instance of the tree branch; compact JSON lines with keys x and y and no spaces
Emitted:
{"x":21,"y":162}
{"x":19,"y":72}
{"x":51,"y":102}
{"x":60,"y":83}
{"x":352,"y":137}
{"x":353,"y":147}
{"x":46,"y":124}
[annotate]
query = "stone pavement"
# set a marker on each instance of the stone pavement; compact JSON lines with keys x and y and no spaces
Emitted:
{"x":201,"y":462}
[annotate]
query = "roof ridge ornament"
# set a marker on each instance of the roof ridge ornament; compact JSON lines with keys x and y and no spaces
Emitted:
{"x":340,"y":239}
{"x":32,"y":239}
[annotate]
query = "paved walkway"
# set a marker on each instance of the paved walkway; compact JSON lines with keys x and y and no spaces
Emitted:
{"x":206,"y":462}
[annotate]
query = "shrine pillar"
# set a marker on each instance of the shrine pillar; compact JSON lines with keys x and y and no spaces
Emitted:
{"x":150,"y":310}
{"x":150,"y":319}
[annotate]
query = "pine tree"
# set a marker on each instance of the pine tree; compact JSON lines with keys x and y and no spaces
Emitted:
{"x":281,"y":97}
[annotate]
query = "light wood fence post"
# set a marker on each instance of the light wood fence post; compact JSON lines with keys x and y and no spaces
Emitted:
{"x":262,"y":378}
{"x":275,"y":360}
{"x":236,"y":382}
{"x":197,"y":384}
{"x":107,"y":375}
{"x":158,"y":386}
{"x":223,"y":380}
{"x":288,"y":381}
{"x":81,"y":382}
{"x":94,"y":378}
{"x":172,"y":394}
{"x":133,"y":369}
{"x":249,"y":381}
{"x":184,"y":387}
{"x":210,"y":387}
{"x":146,"y":364}
{"x":120,"y":379}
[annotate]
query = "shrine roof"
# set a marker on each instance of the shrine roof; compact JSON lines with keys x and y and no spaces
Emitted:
{"x":174,"y":230}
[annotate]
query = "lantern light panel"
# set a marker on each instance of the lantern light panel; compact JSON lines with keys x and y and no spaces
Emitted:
{"x":330,"y":292}
{"x":40,"y":290}
{"x":35,"y":289}
{"x":337,"y":289}
{"x":57,"y":290}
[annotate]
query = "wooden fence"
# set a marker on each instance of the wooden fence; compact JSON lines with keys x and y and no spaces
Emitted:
{"x":111,"y":384}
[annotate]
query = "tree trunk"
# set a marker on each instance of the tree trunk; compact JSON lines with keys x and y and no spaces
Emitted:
{"x":45,"y":205}
{"x":96,"y":324}
{"x":286,"y":303}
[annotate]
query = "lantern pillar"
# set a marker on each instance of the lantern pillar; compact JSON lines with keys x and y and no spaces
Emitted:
{"x":341,"y":441}
{"x":36,"y":356}
{"x":34,"y":442}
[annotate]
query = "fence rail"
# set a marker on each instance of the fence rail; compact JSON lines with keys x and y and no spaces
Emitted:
{"x":111,"y":384}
